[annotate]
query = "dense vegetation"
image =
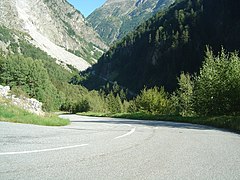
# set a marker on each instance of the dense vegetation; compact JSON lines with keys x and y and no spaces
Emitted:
{"x":210,"y":98}
{"x":31,"y":72}
{"x":215,"y":90}
{"x":169,"y":43}
{"x":41,"y":79}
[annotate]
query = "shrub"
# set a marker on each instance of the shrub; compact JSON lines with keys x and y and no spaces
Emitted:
{"x":185,"y":95}
{"x":154,"y":100}
{"x":97,"y":102}
{"x":217,"y":88}
{"x":81,"y":106}
{"x":114,"y":104}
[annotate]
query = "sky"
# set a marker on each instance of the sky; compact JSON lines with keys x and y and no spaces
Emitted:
{"x":86,"y":6}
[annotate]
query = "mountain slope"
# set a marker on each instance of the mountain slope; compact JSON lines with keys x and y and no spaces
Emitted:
{"x":55,"y":27}
{"x":170,"y":42}
{"x":31,"y":72}
{"x":118,"y":17}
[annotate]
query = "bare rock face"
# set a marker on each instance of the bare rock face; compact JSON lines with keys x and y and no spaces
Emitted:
{"x":30,"y":105}
{"x":116,"y":18}
{"x":56,"y":27}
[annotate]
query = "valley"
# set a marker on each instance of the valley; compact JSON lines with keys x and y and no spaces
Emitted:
{"x":139,"y":89}
{"x":160,"y":68}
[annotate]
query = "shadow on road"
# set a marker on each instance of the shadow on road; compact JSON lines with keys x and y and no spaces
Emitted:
{"x":150,"y":123}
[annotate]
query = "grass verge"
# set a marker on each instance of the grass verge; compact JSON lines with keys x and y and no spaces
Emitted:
{"x":231,"y":123}
{"x":9,"y":113}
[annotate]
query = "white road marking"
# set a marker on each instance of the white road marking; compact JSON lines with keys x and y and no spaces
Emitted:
{"x":43,"y":150}
{"x":127,"y":134}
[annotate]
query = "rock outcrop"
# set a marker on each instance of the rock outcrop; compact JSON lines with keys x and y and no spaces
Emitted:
{"x":116,"y":18}
{"x":4,"y":91}
{"x":28,"y":104}
{"x":56,"y":27}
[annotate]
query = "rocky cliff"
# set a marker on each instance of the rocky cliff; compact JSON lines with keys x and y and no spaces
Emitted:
{"x":55,"y":27}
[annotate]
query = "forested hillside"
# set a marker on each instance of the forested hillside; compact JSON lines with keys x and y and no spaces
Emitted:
{"x":31,"y":72}
{"x":169,"y":43}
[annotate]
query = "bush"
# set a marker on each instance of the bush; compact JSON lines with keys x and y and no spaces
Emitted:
{"x":81,"y":106}
{"x":154,"y":100}
{"x":217,"y":88}
{"x":114,"y":104}
{"x":97,"y":102}
{"x":185,"y":95}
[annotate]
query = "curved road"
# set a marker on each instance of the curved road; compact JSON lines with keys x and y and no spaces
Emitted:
{"x":105,"y":148}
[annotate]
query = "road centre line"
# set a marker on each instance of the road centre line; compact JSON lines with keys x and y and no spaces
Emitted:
{"x":43,"y":150}
{"x":127,"y":134}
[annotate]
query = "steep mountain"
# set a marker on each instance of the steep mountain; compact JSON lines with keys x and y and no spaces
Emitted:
{"x":31,"y":72}
{"x":168,"y":43}
{"x":116,"y":18}
{"x":56,"y":27}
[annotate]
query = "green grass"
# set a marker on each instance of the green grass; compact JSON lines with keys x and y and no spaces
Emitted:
{"x":13,"y":114}
{"x":231,"y":123}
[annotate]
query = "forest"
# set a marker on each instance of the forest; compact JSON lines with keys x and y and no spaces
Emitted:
{"x":214,"y":91}
{"x":171,"y":42}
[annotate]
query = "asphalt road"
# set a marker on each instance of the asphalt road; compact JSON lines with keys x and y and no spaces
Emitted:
{"x":104,"y":148}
